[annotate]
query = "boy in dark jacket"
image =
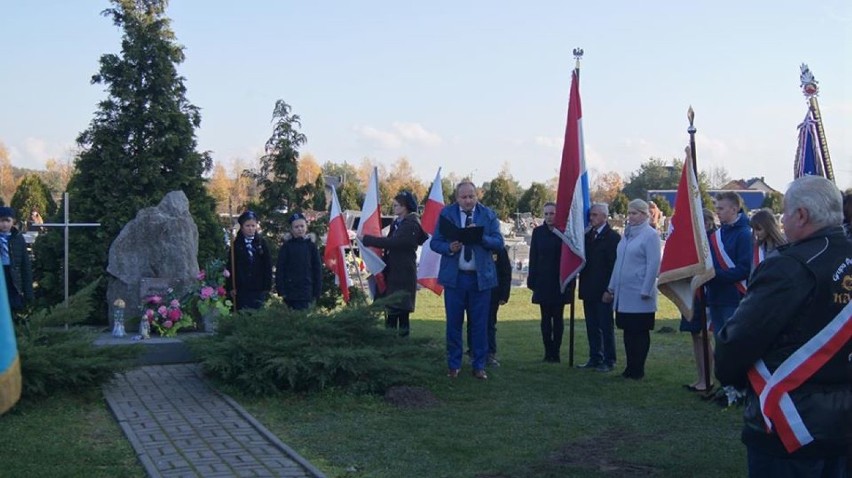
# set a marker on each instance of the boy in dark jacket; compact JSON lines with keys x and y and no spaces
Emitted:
{"x":16,"y":261}
{"x":298,"y":275}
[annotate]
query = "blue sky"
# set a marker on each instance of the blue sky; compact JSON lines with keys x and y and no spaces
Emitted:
{"x":465,"y":85}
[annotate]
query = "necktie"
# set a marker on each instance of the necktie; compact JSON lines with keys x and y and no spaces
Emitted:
{"x":250,"y":250}
{"x":468,"y":220}
{"x":4,"y":248}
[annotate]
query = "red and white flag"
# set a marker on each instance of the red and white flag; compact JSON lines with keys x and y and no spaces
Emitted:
{"x":686,"y":264}
{"x":572,"y":197}
{"x":430,"y":261}
{"x":370,"y":224}
{"x":335,"y":246}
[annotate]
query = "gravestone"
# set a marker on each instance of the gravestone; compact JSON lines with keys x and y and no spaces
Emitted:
{"x":155,"y":251}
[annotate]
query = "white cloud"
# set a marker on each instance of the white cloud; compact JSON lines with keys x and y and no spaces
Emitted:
{"x":33,"y":153}
{"x":416,"y":133}
{"x":401,"y":134}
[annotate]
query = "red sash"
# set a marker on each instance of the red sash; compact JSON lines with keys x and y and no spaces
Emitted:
{"x":723,"y":259}
{"x":773,"y":388}
{"x":759,"y":254}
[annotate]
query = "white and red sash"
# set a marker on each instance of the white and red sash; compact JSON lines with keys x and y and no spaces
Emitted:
{"x":773,"y":388}
{"x":723,"y":258}
{"x":759,"y":254}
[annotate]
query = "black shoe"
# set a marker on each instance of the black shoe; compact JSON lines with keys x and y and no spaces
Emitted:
{"x":589,"y":365}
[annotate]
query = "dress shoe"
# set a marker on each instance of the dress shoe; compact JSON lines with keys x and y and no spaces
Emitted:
{"x":453,"y":372}
{"x":480,"y":375}
{"x":604,"y":368}
{"x":589,"y":365}
{"x":492,"y":361}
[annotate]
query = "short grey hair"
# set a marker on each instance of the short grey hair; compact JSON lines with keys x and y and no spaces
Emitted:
{"x":819,"y":196}
{"x":464,"y":182}
{"x":604,"y":207}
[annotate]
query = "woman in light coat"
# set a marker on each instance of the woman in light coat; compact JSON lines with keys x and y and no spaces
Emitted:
{"x":633,"y":286}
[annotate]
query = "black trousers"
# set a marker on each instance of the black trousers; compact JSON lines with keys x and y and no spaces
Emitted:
{"x":637,"y":343}
{"x":398,"y":319}
{"x":552,"y":327}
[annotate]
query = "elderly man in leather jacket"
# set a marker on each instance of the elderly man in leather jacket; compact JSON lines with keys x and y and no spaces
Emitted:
{"x":789,"y":341}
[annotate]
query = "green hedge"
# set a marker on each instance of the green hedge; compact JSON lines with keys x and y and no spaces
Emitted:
{"x":276,"y":349}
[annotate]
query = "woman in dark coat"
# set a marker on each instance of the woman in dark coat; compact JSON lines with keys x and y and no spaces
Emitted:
{"x":250,"y":265}
{"x":400,"y":256}
{"x":543,"y":281}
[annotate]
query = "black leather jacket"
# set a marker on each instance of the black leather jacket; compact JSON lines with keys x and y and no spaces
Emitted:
{"x":791,"y":297}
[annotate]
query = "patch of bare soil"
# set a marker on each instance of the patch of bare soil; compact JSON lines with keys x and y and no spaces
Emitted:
{"x":411,"y":397}
{"x":598,"y":454}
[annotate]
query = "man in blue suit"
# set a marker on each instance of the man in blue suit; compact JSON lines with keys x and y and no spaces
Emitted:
{"x":468,"y":275}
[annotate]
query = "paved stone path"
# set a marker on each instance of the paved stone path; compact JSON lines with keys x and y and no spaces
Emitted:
{"x":180,"y":427}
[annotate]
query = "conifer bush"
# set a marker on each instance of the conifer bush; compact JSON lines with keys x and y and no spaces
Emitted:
{"x":277,"y":349}
{"x":54,"y":359}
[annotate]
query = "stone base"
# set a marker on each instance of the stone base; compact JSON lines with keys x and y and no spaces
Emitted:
{"x":158,"y":350}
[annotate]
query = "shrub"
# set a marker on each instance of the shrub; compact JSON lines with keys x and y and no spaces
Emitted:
{"x":276,"y":349}
{"x":55,"y":359}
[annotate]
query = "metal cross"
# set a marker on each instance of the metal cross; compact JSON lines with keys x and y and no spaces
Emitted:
{"x":66,"y":224}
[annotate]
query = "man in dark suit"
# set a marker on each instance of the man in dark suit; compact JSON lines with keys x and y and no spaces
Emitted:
{"x":468,"y":275}
{"x":601,"y":244}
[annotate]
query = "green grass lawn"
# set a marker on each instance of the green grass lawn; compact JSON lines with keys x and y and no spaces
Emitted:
{"x":65,"y":436}
{"x":531,"y":419}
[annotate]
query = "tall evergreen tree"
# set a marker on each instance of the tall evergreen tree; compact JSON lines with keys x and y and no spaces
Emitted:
{"x":32,"y":195}
{"x":139,"y":146}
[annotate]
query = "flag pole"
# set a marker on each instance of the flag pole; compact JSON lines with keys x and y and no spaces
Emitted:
{"x":705,"y":340}
{"x":811,"y":91}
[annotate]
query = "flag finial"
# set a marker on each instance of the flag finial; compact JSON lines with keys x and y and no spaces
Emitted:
{"x":808,"y":82}
{"x":690,"y":115}
{"x":578,"y":55}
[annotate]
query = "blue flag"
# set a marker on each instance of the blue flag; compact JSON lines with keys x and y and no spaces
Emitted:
{"x":10,"y":366}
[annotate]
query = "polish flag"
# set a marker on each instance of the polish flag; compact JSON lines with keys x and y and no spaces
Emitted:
{"x":572,"y":196}
{"x":686,"y":264}
{"x":430,"y":261}
{"x":371,"y":224}
{"x":335,"y":246}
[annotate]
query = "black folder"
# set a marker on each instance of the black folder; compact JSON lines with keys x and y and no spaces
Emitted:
{"x":465,"y":235}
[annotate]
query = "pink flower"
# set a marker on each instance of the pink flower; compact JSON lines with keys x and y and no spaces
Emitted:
{"x":168,"y":324}
{"x":162,"y":310}
{"x":174,"y":303}
{"x":207,"y":292}
{"x":174,"y":315}
{"x":226,"y":273}
{"x":149,"y":314}
{"x":201,"y":275}
{"x":155,"y":299}
{"x":221,"y":291}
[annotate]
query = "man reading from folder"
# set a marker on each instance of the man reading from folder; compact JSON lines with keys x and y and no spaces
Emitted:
{"x":467,"y":234}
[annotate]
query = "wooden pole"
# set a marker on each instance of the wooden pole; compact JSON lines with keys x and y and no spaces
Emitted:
{"x":705,"y":339}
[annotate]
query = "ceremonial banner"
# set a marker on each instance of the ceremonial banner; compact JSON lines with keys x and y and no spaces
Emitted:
{"x":335,"y":246}
{"x":572,"y":197}
{"x":430,"y":261}
{"x":10,"y":365}
{"x":808,"y":156}
{"x":686,"y":264}
{"x":370,"y":224}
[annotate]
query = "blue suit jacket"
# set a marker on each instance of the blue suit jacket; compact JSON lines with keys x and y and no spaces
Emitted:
{"x":492,"y":240}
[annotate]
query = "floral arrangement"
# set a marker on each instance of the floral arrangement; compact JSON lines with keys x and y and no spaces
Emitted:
{"x":211,"y":294}
{"x":165,"y":314}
